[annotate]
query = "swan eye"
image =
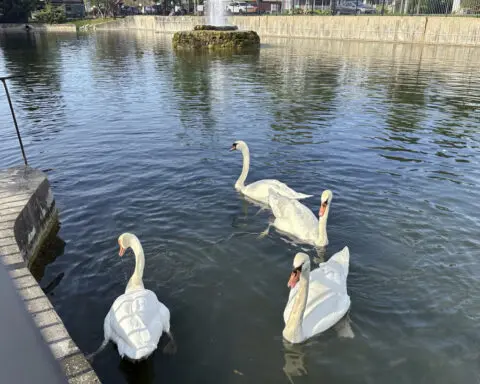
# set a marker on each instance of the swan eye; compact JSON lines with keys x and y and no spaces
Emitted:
{"x":298,"y":269}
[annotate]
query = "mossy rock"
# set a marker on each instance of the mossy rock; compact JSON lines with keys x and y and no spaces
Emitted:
{"x":215,"y":28}
{"x":201,"y":39}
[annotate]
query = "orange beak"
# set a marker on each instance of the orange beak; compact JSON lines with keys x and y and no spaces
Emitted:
{"x":122,"y":250}
{"x":322,"y":210}
{"x":294,"y":277}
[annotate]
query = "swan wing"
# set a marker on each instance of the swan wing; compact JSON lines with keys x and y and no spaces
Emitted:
{"x":327,"y":300}
{"x":136,"y":322}
{"x":334,"y":272}
{"x":296,"y":218}
{"x":259,"y":190}
{"x":284,"y":190}
{"x":324,"y":309}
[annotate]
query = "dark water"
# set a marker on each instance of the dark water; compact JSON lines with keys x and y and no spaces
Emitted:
{"x":136,"y":139}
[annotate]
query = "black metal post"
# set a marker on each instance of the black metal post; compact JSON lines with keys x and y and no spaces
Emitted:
{"x":333,"y":6}
{"x":383,"y":7}
{"x":3,"y":79}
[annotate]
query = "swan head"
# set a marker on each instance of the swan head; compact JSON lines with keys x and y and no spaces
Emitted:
{"x":238,"y":145}
{"x":126,"y":240}
{"x":301,"y":263}
{"x":325,"y":202}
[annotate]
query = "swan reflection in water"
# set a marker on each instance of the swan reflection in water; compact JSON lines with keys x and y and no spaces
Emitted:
{"x":321,"y":252}
{"x":141,"y":372}
{"x":294,"y":360}
{"x":294,"y":354}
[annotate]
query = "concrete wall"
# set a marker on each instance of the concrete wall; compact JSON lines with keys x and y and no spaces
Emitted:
{"x":403,"y":29}
{"x":164,"y":24}
{"x":27,"y":215}
{"x":35,"y":27}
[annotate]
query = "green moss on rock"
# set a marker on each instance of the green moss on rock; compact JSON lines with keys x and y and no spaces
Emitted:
{"x":215,"y":28}
{"x":208,"y":39}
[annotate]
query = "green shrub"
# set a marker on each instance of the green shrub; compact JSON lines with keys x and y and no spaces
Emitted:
{"x":323,"y":12}
{"x":51,"y":15}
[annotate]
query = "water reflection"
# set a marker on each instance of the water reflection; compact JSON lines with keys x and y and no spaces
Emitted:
{"x":203,"y":85}
{"x":36,"y":95}
{"x":53,"y":247}
{"x":144,"y":148}
{"x":296,"y":115}
{"x":141,"y":372}
{"x":294,"y":355}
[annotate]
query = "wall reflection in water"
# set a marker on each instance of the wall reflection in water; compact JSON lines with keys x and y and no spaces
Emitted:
{"x":52,"y":248}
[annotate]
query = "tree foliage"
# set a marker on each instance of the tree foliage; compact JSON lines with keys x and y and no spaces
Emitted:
{"x":474,"y":5}
{"x":106,"y":7}
{"x":17,"y":10}
{"x":51,"y":15}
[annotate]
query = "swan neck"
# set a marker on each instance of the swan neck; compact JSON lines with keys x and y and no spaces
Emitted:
{"x":240,"y":184}
{"x":293,"y":331}
{"x":322,"y":239}
{"x":136,"y":281}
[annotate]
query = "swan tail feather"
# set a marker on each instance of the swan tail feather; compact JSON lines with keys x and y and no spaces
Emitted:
{"x":300,"y":196}
{"x":171,"y":347}
{"x":342,"y":257}
{"x":100,"y":349}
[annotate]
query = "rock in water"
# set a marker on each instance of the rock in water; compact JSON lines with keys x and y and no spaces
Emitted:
{"x":216,"y":39}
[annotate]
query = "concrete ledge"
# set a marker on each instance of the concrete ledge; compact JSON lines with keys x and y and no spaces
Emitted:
{"x":27,"y":216}
{"x":37,"y":27}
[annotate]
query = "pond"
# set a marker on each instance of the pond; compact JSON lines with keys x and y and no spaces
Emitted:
{"x":136,"y":138}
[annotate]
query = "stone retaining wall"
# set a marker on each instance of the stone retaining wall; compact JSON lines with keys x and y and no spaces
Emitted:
{"x":36,"y":27}
{"x":27,"y":216}
{"x":394,"y":29}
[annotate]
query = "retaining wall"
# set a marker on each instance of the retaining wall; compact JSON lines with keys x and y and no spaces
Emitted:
{"x":37,"y":27}
{"x":27,"y":216}
{"x":395,"y":29}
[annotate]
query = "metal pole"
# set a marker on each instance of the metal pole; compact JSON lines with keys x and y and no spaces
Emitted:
{"x":383,"y":7}
{"x":3,"y":79}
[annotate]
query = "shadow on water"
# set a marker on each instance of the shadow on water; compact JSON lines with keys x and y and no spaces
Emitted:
{"x":142,"y":372}
{"x":52,"y":248}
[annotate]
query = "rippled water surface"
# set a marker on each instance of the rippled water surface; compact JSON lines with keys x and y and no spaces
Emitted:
{"x":136,"y":138}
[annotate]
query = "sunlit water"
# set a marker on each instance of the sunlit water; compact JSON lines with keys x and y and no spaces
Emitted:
{"x":136,"y":138}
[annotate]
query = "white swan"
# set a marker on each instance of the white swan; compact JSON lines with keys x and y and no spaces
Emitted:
{"x":259,"y":190}
{"x":297,"y":220}
{"x":136,"y":319}
{"x":320,"y":298}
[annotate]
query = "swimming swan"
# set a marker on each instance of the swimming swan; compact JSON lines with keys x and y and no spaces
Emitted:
{"x":259,"y":190}
{"x":294,"y":218}
{"x":136,"y":319}
{"x":320,"y":298}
